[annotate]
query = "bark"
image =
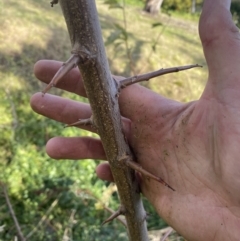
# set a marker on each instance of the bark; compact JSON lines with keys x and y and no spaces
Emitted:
{"x":86,"y":38}
{"x":153,"y":6}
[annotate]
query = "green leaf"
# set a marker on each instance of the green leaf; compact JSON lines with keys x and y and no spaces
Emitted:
{"x":154,"y":25}
{"x":124,"y":33}
{"x":113,"y":37}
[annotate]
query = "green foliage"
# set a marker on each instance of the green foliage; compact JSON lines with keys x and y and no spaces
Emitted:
{"x":179,"y":5}
{"x":235,"y":9}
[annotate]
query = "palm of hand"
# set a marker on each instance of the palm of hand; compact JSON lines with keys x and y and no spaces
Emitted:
{"x":195,"y":146}
{"x":193,"y":149}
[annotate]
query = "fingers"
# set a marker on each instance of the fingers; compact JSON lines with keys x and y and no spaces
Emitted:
{"x":67,"y":111}
{"x":220,"y":38}
{"x":137,"y":101}
{"x":60,"y":109}
{"x":133,"y":100}
{"x":221,"y":44}
{"x":75,"y":148}
{"x":215,"y":17}
{"x":104,"y":172}
{"x":44,"y":70}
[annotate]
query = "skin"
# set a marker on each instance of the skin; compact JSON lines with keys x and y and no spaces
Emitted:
{"x":196,"y":146}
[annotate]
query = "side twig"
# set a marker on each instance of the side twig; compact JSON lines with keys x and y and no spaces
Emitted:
{"x":19,"y":231}
{"x":166,"y":235}
{"x":68,"y":231}
{"x":55,"y":202}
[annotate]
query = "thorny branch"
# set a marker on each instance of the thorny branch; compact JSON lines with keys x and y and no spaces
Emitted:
{"x":89,"y":54}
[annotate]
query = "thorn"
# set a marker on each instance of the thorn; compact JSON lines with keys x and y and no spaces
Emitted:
{"x":145,"y":77}
{"x":82,"y":122}
{"x":120,"y":211}
{"x":65,"y":68}
{"x":141,"y":170}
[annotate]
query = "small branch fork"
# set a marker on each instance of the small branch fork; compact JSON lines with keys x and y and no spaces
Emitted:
{"x":121,"y":211}
{"x":114,"y":214}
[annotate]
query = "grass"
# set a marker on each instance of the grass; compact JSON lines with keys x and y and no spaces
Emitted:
{"x":33,"y":30}
{"x":176,"y":43}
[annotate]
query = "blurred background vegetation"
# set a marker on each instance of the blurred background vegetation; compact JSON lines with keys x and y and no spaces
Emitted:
{"x":63,"y":200}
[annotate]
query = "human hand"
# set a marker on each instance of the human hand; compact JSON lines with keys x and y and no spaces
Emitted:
{"x":194,"y":147}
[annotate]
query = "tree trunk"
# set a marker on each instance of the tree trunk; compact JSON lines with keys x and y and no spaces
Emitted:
{"x":153,"y":6}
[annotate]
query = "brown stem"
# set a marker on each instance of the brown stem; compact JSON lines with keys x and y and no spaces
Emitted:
{"x":18,"y":228}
